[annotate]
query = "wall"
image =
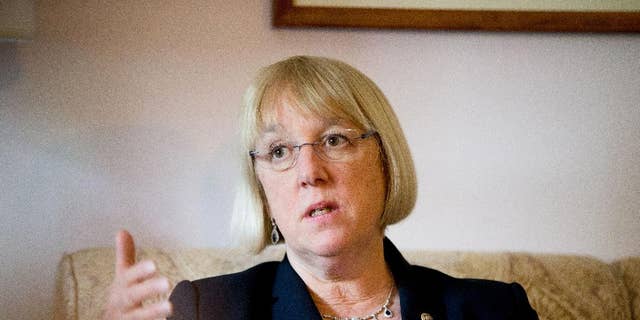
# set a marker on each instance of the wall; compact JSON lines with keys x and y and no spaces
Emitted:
{"x":123,"y":114}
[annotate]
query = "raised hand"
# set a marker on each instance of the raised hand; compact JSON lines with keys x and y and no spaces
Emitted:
{"x":133,"y":284}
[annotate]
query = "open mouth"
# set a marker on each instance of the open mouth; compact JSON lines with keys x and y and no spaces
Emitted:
{"x":320,"y":212}
{"x":320,"y":209}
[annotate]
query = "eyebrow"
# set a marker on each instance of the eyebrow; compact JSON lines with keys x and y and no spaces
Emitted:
{"x":327,"y":122}
{"x":271,"y":128}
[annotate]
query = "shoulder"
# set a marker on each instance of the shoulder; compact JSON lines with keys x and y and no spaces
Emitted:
{"x":230,"y":296}
{"x":476,"y":298}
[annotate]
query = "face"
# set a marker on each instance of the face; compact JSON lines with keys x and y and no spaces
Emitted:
{"x":323,"y":207}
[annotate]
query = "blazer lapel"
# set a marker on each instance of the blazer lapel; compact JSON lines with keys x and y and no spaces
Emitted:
{"x":291,"y":300}
{"x":420,"y":292}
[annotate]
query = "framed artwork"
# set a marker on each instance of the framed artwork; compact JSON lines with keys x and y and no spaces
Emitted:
{"x":490,"y":15}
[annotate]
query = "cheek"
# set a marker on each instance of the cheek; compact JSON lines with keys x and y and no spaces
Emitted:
{"x":375,"y":186}
{"x":367,"y":187}
{"x":275,"y":194}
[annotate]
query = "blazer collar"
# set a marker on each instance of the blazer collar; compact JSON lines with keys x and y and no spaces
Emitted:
{"x":291,"y":300}
{"x":419,"y":293}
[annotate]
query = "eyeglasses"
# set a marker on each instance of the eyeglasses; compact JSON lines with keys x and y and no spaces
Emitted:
{"x":339,"y":145}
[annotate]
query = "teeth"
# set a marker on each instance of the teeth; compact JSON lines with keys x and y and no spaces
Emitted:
{"x":319,"y":212}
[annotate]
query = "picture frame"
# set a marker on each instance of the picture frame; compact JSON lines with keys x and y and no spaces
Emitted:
{"x":289,"y":13}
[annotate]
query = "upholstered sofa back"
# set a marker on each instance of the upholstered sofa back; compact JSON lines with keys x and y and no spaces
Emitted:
{"x":559,"y":286}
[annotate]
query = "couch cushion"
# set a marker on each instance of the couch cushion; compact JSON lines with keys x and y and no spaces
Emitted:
{"x":200,"y":263}
{"x":558,"y":286}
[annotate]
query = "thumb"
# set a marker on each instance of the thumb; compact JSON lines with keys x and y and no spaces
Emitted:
{"x":125,"y":251}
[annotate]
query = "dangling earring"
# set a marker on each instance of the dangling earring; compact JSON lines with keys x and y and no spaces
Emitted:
{"x":275,"y":235}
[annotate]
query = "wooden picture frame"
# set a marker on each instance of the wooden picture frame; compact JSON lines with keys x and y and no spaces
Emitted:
{"x":287,"y":14}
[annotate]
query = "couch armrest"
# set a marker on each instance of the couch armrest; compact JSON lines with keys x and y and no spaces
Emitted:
{"x":83,"y":277}
{"x":629,"y":270}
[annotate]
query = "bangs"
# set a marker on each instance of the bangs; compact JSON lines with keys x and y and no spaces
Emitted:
{"x":307,"y":101}
{"x":317,"y":88}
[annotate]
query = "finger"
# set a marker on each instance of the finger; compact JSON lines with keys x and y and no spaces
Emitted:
{"x":125,"y":251}
{"x":148,"y":289}
{"x":139,"y":272}
{"x":153,"y":311}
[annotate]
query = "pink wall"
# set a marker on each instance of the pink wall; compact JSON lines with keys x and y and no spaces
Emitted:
{"x":123,"y":114}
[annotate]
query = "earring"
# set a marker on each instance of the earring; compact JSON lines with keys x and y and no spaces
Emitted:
{"x":275,"y":235}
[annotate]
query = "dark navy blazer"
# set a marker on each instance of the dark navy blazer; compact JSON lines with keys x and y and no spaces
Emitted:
{"x":273,"y":290}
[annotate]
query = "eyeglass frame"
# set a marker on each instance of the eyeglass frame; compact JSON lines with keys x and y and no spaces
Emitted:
{"x":296,"y":150}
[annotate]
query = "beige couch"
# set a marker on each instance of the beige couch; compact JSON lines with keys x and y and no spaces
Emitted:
{"x":559,"y":286}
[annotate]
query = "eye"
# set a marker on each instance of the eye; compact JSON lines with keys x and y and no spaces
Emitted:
{"x":279,"y":152}
{"x":335,"y":140}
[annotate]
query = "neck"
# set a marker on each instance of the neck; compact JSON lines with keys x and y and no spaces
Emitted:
{"x":351,"y":282}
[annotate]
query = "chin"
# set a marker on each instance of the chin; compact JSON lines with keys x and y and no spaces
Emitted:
{"x":330,"y":245}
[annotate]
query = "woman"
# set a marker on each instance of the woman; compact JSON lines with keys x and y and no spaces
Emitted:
{"x":327,"y":169}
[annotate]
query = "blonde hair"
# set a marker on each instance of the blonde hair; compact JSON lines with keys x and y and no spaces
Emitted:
{"x":326,"y":88}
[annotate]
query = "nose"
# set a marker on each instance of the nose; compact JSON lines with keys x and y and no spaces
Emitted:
{"x":310,"y":167}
